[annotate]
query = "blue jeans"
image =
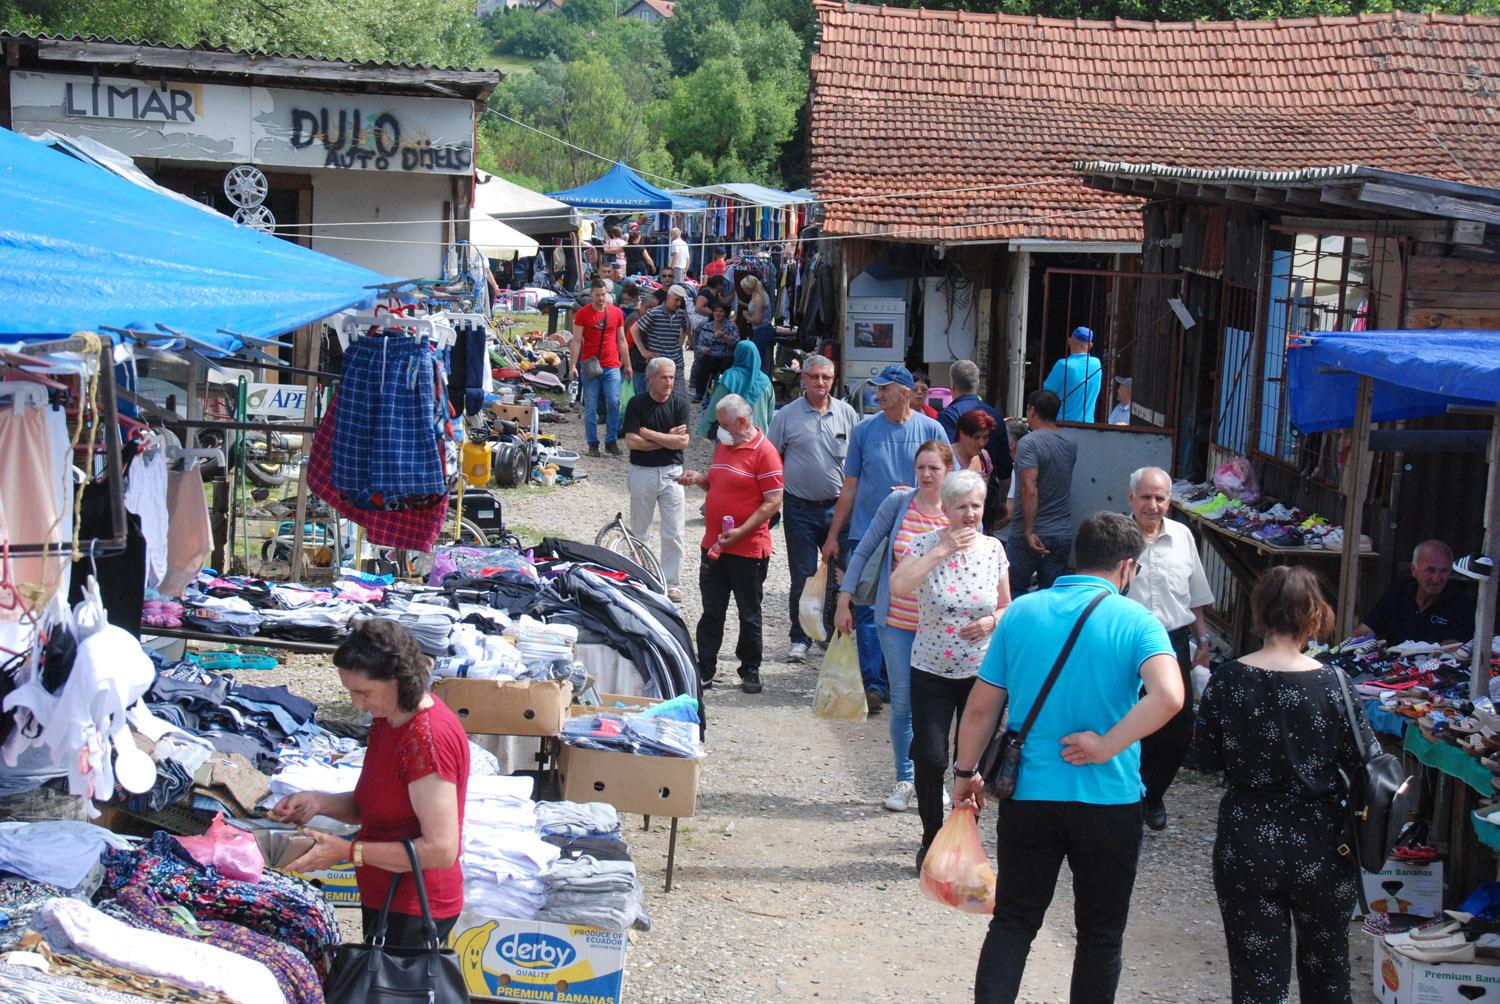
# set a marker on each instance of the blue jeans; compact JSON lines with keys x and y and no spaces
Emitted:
{"x":1024,"y":562}
{"x":639,"y":380}
{"x":764,"y":337}
{"x":805,"y":524}
{"x":609,"y":383}
{"x":896,"y":644}
{"x":867,"y":640}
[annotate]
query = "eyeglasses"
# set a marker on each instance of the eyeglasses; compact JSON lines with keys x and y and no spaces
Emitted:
{"x":1136,"y":566}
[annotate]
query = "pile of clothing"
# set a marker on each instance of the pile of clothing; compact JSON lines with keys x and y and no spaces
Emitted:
{"x":240,"y":606}
{"x":1265,"y":520}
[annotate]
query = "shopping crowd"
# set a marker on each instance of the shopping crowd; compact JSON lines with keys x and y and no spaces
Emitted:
{"x":973,"y":589}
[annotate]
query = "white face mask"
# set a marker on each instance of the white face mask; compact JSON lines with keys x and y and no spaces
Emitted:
{"x":725,"y":436}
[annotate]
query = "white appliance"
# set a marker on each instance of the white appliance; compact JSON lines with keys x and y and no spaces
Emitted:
{"x":950,"y":321}
{"x":875,"y":336}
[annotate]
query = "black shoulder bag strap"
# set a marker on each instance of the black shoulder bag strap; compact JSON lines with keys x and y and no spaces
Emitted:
{"x":1062,"y":658}
{"x":1353,"y":823}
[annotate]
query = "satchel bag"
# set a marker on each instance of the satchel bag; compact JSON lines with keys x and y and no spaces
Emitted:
{"x":1000,"y":764}
{"x":591,"y":368}
{"x":1379,"y":798}
{"x":867,"y":586}
{"x":377,"y":974}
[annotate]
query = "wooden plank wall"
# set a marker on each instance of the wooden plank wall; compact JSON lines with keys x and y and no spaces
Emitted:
{"x":1454,"y":293}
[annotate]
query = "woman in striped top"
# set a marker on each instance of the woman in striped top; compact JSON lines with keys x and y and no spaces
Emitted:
{"x":903,"y":517}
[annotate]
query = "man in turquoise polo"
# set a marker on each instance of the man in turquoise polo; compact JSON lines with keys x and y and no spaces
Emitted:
{"x":1077,"y":378}
{"x":1078,"y":791}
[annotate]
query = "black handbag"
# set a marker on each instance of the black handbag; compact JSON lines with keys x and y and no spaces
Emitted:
{"x":1000,"y":765}
{"x":377,"y":974}
{"x":1379,"y":797}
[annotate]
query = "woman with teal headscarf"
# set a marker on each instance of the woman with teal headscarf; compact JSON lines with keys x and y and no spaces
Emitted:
{"x":745,"y":379}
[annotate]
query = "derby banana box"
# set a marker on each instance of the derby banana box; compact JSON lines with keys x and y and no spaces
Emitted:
{"x":1399,"y":979}
{"x":338,"y":884}
{"x":1403,"y":887}
{"x":507,"y":707}
{"x":527,"y":960}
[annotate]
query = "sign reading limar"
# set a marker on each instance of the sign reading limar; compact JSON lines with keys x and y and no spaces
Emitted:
{"x":138,"y":102}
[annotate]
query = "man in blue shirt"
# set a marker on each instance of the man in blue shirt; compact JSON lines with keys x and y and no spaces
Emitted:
{"x":964,"y":376}
{"x":1076,"y":380}
{"x":882,"y":454}
{"x":1078,"y":791}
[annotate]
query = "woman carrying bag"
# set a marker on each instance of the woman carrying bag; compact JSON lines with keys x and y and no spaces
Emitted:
{"x":409,"y":802}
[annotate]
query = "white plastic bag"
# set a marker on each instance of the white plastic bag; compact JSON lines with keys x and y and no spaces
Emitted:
{"x":840,"y":694}
{"x":810,"y":604}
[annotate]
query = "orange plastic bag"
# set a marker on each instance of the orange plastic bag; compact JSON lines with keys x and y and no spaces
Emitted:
{"x":956,"y":871}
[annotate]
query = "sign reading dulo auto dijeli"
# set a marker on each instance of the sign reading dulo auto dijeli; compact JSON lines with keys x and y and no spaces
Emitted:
{"x":271,"y":126}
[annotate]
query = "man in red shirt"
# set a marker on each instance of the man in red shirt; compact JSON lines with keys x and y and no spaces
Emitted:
{"x":718,"y":266}
{"x":744,"y":485}
{"x":598,"y":349}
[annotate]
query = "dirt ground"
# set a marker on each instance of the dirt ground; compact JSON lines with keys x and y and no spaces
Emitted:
{"x":794,"y":884}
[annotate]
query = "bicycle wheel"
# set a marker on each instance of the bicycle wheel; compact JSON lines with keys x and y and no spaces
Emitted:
{"x":416,"y":564}
{"x":619,"y":540}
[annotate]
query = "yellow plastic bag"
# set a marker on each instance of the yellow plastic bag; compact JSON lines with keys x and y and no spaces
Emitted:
{"x":841,"y":689}
{"x":956,"y":871}
{"x":810,"y":604}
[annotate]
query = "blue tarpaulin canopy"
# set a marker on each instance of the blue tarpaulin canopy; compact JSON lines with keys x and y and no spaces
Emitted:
{"x":82,"y":249}
{"x":1417,"y":374}
{"x":622,"y":190}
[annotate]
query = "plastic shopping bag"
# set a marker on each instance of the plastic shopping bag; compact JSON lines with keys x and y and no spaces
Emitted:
{"x":231,"y":850}
{"x":956,"y":871}
{"x":1237,"y":480}
{"x":841,"y":689}
{"x":810,"y":604}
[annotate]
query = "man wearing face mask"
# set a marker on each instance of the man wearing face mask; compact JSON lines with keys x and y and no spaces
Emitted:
{"x":1078,"y":788}
{"x":744,"y":494}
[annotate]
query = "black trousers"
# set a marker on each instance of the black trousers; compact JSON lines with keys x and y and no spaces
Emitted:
{"x":937,"y":703}
{"x":404,"y":930}
{"x":1277,"y":868}
{"x":709,"y":367}
{"x":1162,"y":752}
{"x":1101,"y":844}
{"x":718,"y":580}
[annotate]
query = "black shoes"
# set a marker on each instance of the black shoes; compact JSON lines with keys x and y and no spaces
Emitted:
{"x":612,"y":448}
{"x":873,"y":701}
{"x":750,"y":681}
{"x":1156,"y":815}
{"x":593,"y":449}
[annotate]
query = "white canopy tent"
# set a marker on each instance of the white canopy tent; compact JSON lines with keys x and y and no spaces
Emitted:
{"x":497,"y":240}
{"x":520,"y":208}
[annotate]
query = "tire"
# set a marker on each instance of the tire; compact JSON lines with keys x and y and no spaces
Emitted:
{"x":263,"y":472}
{"x":512,"y":466}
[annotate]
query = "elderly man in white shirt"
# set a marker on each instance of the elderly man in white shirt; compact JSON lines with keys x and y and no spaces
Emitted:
{"x":1170,"y":584}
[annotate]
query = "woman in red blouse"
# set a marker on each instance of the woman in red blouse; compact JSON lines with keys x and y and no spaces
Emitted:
{"x":415,"y":776}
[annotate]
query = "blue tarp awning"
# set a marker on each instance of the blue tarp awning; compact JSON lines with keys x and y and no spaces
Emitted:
{"x":622,"y":190}
{"x":82,"y":249}
{"x":1418,"y":374}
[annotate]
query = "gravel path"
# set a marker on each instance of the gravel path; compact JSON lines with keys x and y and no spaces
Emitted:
{"x":794,"y":884}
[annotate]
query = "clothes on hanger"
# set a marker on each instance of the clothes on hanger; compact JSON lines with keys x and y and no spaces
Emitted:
{"x":146,"y":496}
{"x":29,"y":507}
{"x":190,"y":534}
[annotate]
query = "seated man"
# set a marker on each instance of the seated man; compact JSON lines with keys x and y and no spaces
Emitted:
{"x":1427,"y":608}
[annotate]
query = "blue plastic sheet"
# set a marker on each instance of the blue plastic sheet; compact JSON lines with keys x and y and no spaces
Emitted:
{"x":622,"y":189}
{"x":1417,"y":374}
{"x":82,"y":249}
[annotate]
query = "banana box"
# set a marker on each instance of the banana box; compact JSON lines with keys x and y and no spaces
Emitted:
{"x":527,"y":960}
{"x":338,"y":884}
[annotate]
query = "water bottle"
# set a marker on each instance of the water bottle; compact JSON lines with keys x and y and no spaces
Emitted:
{"x":714,"y":552}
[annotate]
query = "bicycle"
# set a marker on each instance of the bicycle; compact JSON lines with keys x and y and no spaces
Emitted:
{"x":616,"y":537}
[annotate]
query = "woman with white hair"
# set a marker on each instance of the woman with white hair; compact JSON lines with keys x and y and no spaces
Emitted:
{"x":958,"y":576}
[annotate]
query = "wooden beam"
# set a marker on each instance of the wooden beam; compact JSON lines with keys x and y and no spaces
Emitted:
{"x":1484,"y":615}
{"x":1426,"y":202}
{"x":1267,"y":196}
{"x":1430,"y":231}
{"x":1358,"y":474}
{"x":1452,"y":299}
{"x":1454,"y":318}
{"x":1428,"y":441}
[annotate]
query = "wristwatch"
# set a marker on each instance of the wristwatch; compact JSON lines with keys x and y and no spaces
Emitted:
{"x":960,"y":772}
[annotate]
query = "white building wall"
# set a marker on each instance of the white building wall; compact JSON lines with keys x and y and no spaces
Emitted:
{"x":374,"y":197}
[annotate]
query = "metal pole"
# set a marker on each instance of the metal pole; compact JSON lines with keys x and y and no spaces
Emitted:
{"x":1484,"y":618}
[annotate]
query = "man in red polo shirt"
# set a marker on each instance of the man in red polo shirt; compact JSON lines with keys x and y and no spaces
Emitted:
{"x":598,"y":352}
{"x":744,"y":484}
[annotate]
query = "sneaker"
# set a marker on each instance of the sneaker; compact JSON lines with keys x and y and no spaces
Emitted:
{"x":612,"y":448}
{"x":750,"y":681}
{"x":796,"y":651}
{"x":873,"y":701}
{"x":901,"y":796}
{"x":1474,"y":566}
{"x":675,"y":595}
{"x":593,"y":449}
{"x":1211,"y":506}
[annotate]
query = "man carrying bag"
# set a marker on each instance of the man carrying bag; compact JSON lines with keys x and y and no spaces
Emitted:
{"x":1077,"y":779}
{"x":375,"y":973}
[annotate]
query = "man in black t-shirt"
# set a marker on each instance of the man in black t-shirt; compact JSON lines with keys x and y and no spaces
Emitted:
{"x":655,"y":427}
{"x":1429,"y":608}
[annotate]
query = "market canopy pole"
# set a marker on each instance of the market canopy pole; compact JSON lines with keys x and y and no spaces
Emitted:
{"x":1358,"y":481}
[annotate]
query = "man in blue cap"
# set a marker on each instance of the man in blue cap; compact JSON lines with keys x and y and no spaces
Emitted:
{"x":1077,"y":379}
{"x":882,"y":454}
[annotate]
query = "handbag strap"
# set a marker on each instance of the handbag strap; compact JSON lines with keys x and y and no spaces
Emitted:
{"x":429,"y":926}
{"x":1359,"y":739}
{"x":1062,"y":657}
{"x":1353,"y":821}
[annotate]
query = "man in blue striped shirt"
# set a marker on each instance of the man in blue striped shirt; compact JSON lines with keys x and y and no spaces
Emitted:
{"x":663,"y":331}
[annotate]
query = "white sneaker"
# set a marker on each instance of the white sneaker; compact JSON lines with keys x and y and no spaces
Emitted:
{"x":900,"y":797}
{"x":947,"y":801}
{"x":796,"y":651}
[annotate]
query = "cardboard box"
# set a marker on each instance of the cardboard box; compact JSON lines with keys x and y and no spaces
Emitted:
{"x":338,"y":884}
{"x":648,"y":785}
{"x":1402,"y":980}
{"x":607,"y":704}
{"x":526,"y":960}
{"x":1402,"y":887}
{"x":521,"y":414}
{"x":507,"y":707}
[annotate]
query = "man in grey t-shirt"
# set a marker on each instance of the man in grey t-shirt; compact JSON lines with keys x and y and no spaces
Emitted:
{"x":1042,"y":539}
{"x":812,"y":436}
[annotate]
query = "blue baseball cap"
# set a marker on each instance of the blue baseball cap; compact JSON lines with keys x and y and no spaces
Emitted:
{"x":893,"y":374}
{"x":1082,"y":334}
